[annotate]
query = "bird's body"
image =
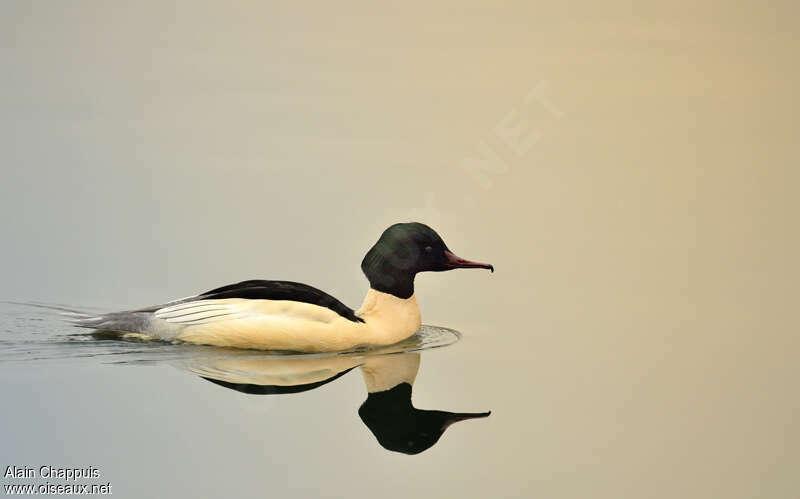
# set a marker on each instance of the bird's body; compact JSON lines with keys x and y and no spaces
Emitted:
{"x":284,"y":315}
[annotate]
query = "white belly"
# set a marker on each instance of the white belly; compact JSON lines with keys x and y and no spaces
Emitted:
{"x":277,"y":333}
{"x":287,"y":325}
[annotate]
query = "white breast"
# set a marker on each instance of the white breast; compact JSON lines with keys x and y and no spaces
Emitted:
{"x":391,"y":319}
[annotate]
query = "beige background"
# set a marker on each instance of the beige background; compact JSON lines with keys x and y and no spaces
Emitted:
{"x":630,"y":169}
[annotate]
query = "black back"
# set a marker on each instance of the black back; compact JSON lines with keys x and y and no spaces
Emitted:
{"x":281,"y":290}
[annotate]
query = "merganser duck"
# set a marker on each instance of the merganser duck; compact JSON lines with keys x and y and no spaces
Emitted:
{"x":284,"y":315}
{"x":388,"y":412}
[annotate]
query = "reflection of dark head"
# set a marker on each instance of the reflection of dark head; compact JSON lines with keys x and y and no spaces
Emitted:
{"x":400,"y":427}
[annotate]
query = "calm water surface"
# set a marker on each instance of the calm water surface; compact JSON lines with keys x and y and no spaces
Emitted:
{"x":575,"y":408}
{"x":235,"y":420}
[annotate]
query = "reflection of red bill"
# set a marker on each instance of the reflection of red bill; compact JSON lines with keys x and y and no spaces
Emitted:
{"x":463,"y":416}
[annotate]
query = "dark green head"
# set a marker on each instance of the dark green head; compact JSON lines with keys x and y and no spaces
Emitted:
{"x":405,"y":249}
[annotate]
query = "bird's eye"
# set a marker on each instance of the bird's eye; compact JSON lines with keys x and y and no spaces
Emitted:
{"x":428,"y":249}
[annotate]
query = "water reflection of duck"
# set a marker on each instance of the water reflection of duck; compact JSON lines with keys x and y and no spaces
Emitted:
{"x":283,"y":315}
{"x":387,"y":412}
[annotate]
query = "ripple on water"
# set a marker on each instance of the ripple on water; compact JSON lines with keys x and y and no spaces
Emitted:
{"x":39,"y":334}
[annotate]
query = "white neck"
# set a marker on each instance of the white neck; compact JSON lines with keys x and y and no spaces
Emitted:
{"x":390,"y":319}
{"x":384,"y":372}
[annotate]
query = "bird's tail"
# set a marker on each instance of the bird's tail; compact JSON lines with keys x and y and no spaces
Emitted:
{"x":129,"y":322}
